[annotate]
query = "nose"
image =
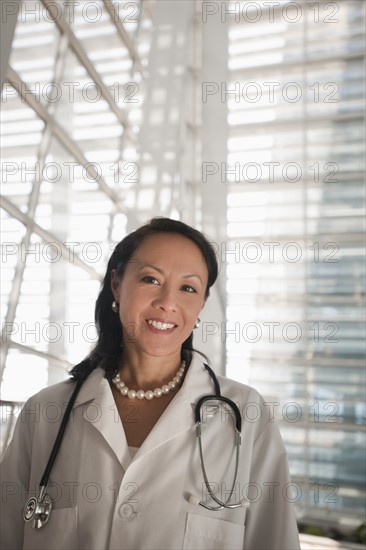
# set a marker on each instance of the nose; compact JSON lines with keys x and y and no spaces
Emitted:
{"x":166,"y":300}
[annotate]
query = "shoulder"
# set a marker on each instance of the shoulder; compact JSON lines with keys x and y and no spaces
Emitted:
{"x":240,"y":391}
{"x":58,"y":395}
{"x":55,"y":393}
{"x":254,"y":409}
{"x":237,"y":391}
{"x":43,"y":411}
{"x":258,"y":417}
{"x":252,"y":405}
{"x":46,"y":407}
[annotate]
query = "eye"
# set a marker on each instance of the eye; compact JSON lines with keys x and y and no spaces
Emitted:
{"x":150,"y":280}
{"x":189,"y":288}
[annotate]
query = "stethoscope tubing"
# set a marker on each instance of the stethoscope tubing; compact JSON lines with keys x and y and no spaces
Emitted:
{"x":60,"y":435}
{"x":39,"y":508}
{"x":234,"y":408}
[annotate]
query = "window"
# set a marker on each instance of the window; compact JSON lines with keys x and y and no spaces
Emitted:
{"x":295,"y":223}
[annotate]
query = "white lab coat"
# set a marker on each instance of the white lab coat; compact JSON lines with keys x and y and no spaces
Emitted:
{"x":104,"y":500}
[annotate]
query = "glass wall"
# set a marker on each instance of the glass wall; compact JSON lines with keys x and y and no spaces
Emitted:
{"x":295,"y":251}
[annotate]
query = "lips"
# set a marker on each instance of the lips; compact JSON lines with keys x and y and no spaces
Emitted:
{"x":160,"y":325}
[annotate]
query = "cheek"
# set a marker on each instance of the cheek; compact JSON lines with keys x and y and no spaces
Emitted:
{"x":191,"y":309}
{"x":127,"y":296}
{"x":132,"y":304}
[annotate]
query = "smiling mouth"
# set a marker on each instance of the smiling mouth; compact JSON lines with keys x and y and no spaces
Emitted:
{"x":159,"y":325}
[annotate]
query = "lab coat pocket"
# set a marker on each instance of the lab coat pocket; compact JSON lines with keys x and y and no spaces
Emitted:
{"x":203,"y":532}
{"x":59,"y":533}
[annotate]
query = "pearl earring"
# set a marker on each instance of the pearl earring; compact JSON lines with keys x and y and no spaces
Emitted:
{"x":115,"y":308}
{"x":197,"y":323}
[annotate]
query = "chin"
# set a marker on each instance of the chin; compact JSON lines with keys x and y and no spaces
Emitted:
{"x":161,"y":351}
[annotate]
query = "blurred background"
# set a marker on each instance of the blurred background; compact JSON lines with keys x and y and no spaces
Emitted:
{"x":243,"y":119}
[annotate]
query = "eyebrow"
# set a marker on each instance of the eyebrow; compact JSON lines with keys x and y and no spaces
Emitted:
{"x":184,"y":276}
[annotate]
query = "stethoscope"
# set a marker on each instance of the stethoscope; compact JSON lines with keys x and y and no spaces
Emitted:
{"x":38,"y":509}
{"x":218,"y":397}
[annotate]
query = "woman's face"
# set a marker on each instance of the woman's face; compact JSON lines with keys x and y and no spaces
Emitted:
{"x":161,"y":293}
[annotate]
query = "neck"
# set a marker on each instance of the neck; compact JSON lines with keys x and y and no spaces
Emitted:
{"x":145,"y":371}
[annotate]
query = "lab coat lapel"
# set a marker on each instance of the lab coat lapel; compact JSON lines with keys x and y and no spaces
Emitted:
{"x":101,"y":412}
{"x":178,"y":417}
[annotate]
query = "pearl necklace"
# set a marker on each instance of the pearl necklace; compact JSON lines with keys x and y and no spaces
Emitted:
{"x":149,"y":394}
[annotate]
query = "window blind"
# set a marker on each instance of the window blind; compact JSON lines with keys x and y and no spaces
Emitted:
{"x":295,"y":224}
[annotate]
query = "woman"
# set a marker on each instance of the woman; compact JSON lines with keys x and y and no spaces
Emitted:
{"x":128,"y":473}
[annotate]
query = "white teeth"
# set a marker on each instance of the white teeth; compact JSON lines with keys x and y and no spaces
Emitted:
{"x":159,"y":325}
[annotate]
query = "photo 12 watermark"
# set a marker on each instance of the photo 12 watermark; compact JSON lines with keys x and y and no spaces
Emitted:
{"x":69,"y":491}
{"x":70,"y":92}
{"x":269,"y":172}
{"x":291,"y":412}
{"x":69,"y":11}
{"x":271,"y":492}
{"x":270,"y":332}
{"x":120,"y":172}
{"x":270,"y":11}
{"x":271,"y":92}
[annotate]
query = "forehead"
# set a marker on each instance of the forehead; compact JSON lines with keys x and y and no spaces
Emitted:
{"x":172,"y":249}
{"x":164,"y":244}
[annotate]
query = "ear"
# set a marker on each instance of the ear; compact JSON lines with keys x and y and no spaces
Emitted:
{"x":115,"y":282}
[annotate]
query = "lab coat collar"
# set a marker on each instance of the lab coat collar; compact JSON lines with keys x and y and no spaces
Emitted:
{"x":90,"y":388}
{"x":178,"y":417}
{"x":99,"y":408}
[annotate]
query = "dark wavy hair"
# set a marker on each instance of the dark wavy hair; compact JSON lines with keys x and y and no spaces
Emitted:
{"x":108,"y":348}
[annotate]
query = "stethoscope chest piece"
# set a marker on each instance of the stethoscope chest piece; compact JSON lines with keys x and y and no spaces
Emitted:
{"x":38,"y":509}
